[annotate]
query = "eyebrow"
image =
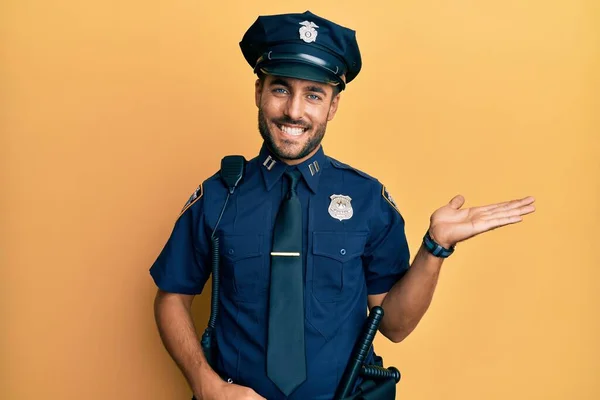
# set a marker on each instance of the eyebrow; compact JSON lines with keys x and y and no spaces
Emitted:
{"x":279,"y":81}
{"x":316,"y":89}
{"x":310,"y":88}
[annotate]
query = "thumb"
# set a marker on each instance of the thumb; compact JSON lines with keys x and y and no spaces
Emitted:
{"x":457,"y":202}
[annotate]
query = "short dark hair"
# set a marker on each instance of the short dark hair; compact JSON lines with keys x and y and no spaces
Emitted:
{"x":336,"y":89}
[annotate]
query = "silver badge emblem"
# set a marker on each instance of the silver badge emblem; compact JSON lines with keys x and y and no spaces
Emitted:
{"x":340,"y":207}
{"x":308,"y":33}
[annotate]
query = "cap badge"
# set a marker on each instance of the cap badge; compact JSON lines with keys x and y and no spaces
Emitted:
{"x":340,"y":207}
{"x":308,"y":33}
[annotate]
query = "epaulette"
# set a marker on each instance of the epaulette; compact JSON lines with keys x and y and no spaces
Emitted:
{"x":213,"y":177}
{"x":340,"y":165}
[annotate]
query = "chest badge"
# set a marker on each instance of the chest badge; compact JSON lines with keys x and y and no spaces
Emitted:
{"x":340,"y":207}
{"x":308,"y":33}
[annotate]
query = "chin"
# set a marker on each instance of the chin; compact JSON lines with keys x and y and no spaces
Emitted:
{"x":285,"y":154}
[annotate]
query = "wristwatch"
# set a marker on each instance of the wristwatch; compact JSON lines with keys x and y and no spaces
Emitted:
{"x":435,"y":248}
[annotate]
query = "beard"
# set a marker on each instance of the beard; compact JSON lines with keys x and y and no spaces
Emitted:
{"x":281,"y":151}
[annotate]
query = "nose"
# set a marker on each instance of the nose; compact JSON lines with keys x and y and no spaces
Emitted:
{"x":294,"y":108}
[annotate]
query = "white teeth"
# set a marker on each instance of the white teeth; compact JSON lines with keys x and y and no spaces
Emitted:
{"x":291,"y":131}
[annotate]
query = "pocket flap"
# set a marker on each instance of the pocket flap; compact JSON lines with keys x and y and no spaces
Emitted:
{"x":238,"y":247}
{"x":341,"y":246}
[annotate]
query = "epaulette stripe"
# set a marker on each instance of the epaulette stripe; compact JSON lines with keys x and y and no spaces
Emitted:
{"x":192,"y":203}
{"x":388,"y":200}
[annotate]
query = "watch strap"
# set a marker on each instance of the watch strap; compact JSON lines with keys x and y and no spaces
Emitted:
{"x":435,"y":248}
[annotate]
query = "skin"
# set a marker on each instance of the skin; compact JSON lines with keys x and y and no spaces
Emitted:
{"x":294,"y":103}
{"x":311,"y":105}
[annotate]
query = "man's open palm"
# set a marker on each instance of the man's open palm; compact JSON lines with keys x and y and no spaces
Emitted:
{"x":450,"y":224}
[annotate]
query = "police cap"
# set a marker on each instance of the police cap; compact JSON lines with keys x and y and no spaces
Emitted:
{"x":303,"y":46}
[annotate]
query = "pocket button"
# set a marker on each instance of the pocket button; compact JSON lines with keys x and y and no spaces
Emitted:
{"x":343,"y":252}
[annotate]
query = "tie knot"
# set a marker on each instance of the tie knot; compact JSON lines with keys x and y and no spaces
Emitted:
{"x":294,"y":177}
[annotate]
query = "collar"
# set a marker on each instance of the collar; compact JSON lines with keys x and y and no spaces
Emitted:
{"x":272,"y":168}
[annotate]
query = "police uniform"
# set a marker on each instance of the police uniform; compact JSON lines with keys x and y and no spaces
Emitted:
{"x":353,"y":243}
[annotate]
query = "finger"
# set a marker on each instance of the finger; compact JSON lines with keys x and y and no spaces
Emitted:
{"x":457,"y":202}
{"x":509,"y":205}
{"x":508,"y":213}
{"x":498,"y":222}
{"x":491,"y":206}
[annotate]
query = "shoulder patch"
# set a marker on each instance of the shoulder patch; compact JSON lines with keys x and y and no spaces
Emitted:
{"x":340,"y":165}
{"x":193,"y":198}
{"x":388,"y":197}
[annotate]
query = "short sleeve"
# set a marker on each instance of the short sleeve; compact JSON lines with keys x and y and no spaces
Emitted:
{"x":386,"y":257}
{"x":183,"y":265}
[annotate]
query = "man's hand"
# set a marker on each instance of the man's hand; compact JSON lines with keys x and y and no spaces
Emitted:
{"x":450,"y":225}
{"x":230,"y":391}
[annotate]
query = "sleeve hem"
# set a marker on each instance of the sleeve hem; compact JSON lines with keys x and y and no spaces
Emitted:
{"x":170,"y":287}
{"x":382,"y":285}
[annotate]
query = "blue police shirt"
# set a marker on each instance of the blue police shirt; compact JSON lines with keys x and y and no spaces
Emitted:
{"x":351,"y":248}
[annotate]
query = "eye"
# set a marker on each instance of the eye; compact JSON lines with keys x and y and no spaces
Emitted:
{"x":314,"y":97}
{"x":280,"y":91}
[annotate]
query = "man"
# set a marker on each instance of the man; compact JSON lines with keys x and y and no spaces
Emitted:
{"x":307,"y":243}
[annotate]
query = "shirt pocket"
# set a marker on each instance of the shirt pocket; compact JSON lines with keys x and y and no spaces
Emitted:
{"x":337,"y":264}
{"x":243,"y":267}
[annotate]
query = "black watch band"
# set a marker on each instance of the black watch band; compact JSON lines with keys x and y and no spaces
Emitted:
{"x":435,"y":248}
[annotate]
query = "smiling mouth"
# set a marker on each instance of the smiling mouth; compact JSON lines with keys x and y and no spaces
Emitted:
{"x":291,"y":130}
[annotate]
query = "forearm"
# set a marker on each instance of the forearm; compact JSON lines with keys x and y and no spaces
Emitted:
{"x":176,"y":328}
{"x":408,"y":300}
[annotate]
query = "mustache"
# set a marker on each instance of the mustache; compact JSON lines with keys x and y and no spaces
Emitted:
{"x":289,"y":121}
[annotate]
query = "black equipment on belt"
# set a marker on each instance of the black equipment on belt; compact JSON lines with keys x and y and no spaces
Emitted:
{"x":355,"y":367}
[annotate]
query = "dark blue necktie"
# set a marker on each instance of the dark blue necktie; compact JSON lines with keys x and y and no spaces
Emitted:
{"x":286,"y":359}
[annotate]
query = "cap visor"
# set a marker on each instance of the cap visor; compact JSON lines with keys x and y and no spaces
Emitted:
{"x":299,"y":71}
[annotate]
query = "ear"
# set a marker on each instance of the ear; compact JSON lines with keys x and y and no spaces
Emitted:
{"x":333,"y":107}
{"x":258,"y":86}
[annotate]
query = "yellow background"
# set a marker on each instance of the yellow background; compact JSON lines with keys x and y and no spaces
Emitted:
{"x":112,"y":112}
